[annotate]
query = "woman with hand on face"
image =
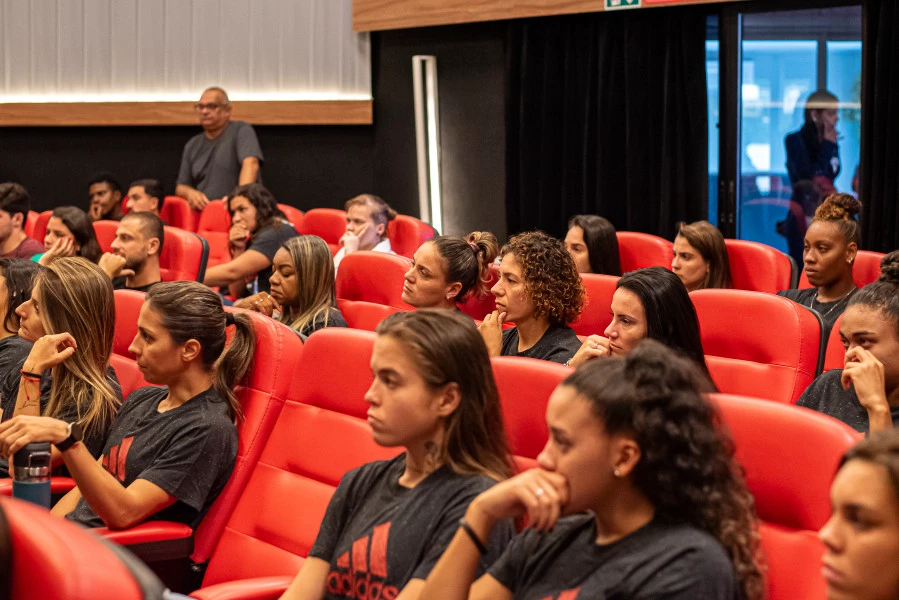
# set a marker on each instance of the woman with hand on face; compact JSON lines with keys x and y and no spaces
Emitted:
{"x":700,"y":257}
{"x":865,"y":393}
{"x":861,"y":539}
{"x":16,"y":282}
{"x":649,"y":303}
{"x":367,"y":218}
{"x":171,"y":449}
{"x":446,"y":270}
{"x":70,"y":319}
{"x":258,"y":228}
{"x":593,"y":245}
{"x":831,"y":244}
{"x":540,"y":290}
{"x":70,"y":232}
{"x":302,"y":294}
{"x":636,"y":495}
{"x":433,"y":395}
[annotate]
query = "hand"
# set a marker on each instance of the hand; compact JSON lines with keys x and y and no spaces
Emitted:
{"x":238,"y":236}
{"x":49,"y":351}
{"x":866,"y":372}
{"x":540,"y":494}
{"x":19,"y":431}
{"x":114,"y":265}
{"x":197,"y":199}
{"x":350,"y":240}
{"x":61,"y":247}
{"x":96,"y":211}
{"x":261,"y":303}
{"x":491,"y":329}
{"x":595,"y":346}
{"x":830,"y":133}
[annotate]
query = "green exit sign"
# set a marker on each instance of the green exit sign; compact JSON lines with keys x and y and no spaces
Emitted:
{"x":616,"y":4}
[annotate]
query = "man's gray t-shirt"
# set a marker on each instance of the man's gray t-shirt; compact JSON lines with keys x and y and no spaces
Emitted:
{"x":213,"y":166}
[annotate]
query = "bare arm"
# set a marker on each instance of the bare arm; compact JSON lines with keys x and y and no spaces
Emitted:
{"x":235,"y":270}
{"x":249,"y":170}
{"x":310,"y":583}
{"x":194,"y":197}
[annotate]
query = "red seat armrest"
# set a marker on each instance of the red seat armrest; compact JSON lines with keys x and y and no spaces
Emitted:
{"x":59,"y":486}
{"x":153,"y":540}
{"x":258,"y":588}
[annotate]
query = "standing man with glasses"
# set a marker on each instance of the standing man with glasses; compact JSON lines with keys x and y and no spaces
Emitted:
{"x":225,"y":155}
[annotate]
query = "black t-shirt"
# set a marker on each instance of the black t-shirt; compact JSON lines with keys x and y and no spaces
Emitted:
{"x":267,"y":242}
{"x":335,"y":319}
{"x":377,"y":534}
{"x":826,"y":395}
{"x":829,"y":311}
{"x":558,"y":344}
{"x":188,"y":451}
{"x":119,"y":283}
{"x":658,"y":560}
{"x":13,"y":352}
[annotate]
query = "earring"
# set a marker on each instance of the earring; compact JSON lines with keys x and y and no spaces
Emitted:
{"x":617,"y":473}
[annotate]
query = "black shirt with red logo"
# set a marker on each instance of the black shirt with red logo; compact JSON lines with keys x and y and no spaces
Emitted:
{"x":188,"y":451}
{"x":378,"y":535}
{"x":659,"y":560}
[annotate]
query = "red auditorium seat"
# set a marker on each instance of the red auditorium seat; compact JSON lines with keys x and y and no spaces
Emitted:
{"x":477,"y":307}
{"x":865,"y":270}
{"x":790,"y":455}
{"x":105,"y":232}
{"x":641,"y":250}
{"x":176,"y":212}
{"x":407,"y":234}
{"x":40,"y":226}
{"x":30,"y":221}
{"x":294,"y":215}
{"x":525,"y":385}
{"x":365,"y":315}
{"x":597,"y":312}
{"x":320,"y":434}
{"x":127,"y":309}
{"x":373,"y":277}
{"x":794,"y":564}
{"x":327,"y":223}
{"x":57,"y":560}
{"x":759,"y":267}
{"x":834,"y":352}
{"x":184,"y":254}
{"x":213,"y":226}
{"x":758,"y":345}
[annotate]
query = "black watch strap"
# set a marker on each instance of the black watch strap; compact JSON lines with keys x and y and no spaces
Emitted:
{"x":75,"y":435}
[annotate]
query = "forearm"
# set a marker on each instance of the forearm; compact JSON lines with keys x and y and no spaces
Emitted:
{"x":879,"y":419}
{"x":249,"y":170}
{"x":67,"y":503}
{"x":28,"y":401}
{"x":237,"y":289}
{"x":104,"y":493}
{"x":219,"y":275}
{"x":452,"y":576}
{"x":183,"y":190}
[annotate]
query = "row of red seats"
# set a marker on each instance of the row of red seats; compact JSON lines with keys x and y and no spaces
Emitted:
{"x":305,"y":426}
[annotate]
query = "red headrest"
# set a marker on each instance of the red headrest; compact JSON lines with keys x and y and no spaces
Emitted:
{"x":865,"y":269}
{"x":477,"y":307}
{"x":327,"y":223}
{"x":215,"y":217}
{"x":365,"y":315}
{"x":105,"y":232}
{"x":793,"y":559}
{"x":407,"y":234}
{"x":176,"y":212}
{"x":40,"y":226}
{"x":834,"y":352}
{"x":373,"y":277}
{"x":294,"y":215}
{"x":597,"y":311}
{"x":758,"y":267}
{"x":184,"y":256}
{"x":641,"y":250}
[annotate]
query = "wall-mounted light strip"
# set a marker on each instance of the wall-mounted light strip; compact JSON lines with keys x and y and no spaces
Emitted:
{"x":427,"y":139}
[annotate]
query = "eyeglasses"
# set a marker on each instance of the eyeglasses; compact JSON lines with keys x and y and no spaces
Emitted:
{"x":210,"y":106}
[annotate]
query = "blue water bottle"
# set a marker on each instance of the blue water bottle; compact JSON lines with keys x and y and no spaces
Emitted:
{"x":31,"y":474}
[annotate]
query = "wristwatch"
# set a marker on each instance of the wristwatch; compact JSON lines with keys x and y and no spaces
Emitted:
{"x":75,"y":434}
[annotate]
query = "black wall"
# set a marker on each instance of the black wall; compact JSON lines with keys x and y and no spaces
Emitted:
{"x":319,"y":166}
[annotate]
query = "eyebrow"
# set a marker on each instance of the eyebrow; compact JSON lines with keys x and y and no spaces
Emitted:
{"x":558,"y":432}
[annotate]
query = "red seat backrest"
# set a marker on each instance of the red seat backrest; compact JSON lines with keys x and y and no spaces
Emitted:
{"x":597,"y":311}
{"x":790,"y":455}
{"x":54,"y":559}
{"x":525,"y":385}
{"x":793,"y":559}
{"x":40,"y":226}
{"x":834,"y":352}
{"x":30,"y":220}
{"x":176,"y":212}
{"x":407,"y":234}
{"x":320,"y":434}
{"x":373,"y":277}
{"x":105,"y":232}
{"x":641,"y":250}
{"x":213,"y":226}
{"x":477,"y":307}
{"x":127,"y":309}
{"x":184,"y":256}
{"x":365,"y":315}
{"x":327,"y":223}
{"x":758,"y":267}
{"x":294,"y":215}
{"x":865,"y":270}
{"x":758,"y":344}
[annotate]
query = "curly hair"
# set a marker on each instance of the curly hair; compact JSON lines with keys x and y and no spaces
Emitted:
{"x":551,"y":279}
{"x":842,"y":210}
{"x":883,"y":294}
{"x":267,"y":211}
{"x":686,"y":467}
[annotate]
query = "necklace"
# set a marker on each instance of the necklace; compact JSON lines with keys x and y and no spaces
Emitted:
{"x":835,"y":304}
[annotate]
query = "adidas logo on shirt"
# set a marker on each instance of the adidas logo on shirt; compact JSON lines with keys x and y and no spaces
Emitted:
{"x":566,"y":595}
{"x":362,"y":570}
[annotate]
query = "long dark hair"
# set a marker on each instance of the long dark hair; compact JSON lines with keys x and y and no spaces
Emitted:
{"x":811,"y":134}
{"x":19,"y":274}
{"x":267,"y":211}
{"x":448,"y":348}
{"x":190,"y":310}
{"x":468,"y":261}
{"x":82,"y":229}
{"x":670,"y":315}
{"x":686,"y":467}
{"x":601,"y":243}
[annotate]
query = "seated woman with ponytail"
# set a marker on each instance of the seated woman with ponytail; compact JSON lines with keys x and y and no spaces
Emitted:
{"x":170,"y":449}
{"x":446,"y":270}
{"x":70,"y":319}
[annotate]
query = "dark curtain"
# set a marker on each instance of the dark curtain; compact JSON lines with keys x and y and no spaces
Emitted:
{"x":879,"y":171}
{"x":607,"y":114}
